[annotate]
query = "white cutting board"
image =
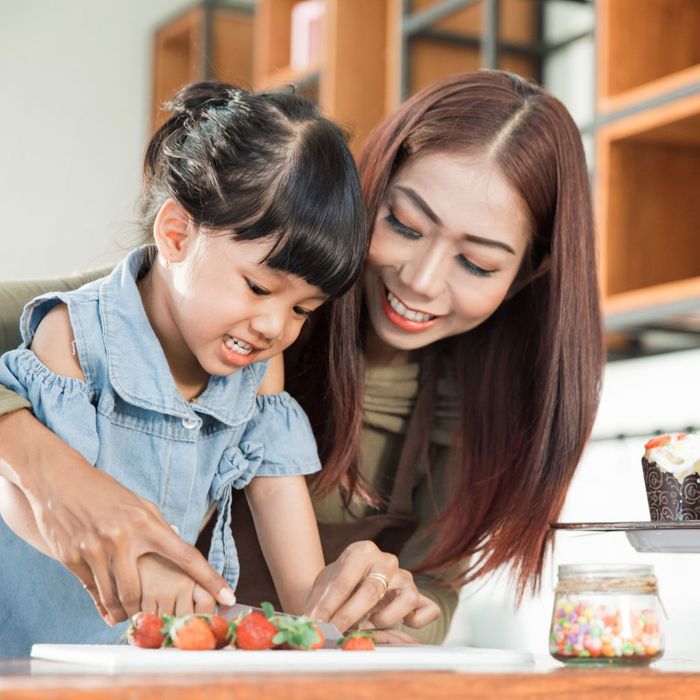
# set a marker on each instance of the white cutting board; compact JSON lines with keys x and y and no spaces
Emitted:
{"x":123,"y":658}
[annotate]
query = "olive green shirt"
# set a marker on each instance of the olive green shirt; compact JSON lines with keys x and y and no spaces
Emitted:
{"x":389,"y":396}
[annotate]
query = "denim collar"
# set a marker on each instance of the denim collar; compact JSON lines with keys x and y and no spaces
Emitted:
{"x":138,"y":369}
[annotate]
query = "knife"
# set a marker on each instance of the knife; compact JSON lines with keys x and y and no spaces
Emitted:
{"x":330,"y":631}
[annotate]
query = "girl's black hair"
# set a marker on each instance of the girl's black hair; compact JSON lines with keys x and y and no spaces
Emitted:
{"x":259,"y":165}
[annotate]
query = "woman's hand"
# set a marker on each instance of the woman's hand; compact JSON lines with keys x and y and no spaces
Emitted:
{"x":345,"y":594}
{"x":92,"y":524}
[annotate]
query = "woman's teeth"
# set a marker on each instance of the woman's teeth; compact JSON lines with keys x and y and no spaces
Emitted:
{"x":238,"y":346}
{"x":402,"y":311}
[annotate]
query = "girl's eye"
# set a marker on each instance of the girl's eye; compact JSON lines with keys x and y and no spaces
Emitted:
{"x":257,"y":289}
{"x":474,"y":269}
{"x":400,"y":228}
{"x":305,"y":313}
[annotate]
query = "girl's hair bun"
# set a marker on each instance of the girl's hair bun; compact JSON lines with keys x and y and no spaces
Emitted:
{"x":195,"y":99}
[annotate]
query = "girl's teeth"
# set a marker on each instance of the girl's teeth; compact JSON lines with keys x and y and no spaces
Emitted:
{"x":238,"y":346}
{"x":401,"y":310}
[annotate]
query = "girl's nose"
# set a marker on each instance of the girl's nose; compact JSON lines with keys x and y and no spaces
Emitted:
{"x":269,"y":325}
{"x":425,"y":273}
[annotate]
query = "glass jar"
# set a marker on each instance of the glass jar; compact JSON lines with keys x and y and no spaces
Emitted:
{"x":606,"y":614}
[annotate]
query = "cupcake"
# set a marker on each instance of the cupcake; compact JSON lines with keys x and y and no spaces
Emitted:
{"x":671,"y":466}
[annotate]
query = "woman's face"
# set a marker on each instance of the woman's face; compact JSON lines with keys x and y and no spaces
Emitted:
{"x":447,"y":243}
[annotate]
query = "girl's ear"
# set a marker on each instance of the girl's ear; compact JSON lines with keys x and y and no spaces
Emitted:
{"x":171,"y":230}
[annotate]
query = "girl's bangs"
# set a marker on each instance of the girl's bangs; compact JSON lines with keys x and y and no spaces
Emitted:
{"x":317,"y":236}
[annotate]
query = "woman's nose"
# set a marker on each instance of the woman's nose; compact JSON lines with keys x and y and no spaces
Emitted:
{"x":425,"y":273}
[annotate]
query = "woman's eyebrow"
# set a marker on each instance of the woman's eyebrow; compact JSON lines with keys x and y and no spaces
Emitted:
{"x":423,"y":206}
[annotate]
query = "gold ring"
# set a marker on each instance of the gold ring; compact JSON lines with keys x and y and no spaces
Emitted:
{"x":382,"y":579}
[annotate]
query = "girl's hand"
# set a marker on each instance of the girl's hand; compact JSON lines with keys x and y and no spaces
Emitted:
{"x":92,"y":524}
{"x":167,"y":590}
{"x":344,"y":593}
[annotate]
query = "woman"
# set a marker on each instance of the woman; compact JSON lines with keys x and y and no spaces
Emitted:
{"x":479,"y":322}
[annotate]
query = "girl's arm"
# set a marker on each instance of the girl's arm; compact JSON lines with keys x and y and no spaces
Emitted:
{"x":286,"y":527}
{"x":285,"y":522}
{"x":87,"y":520}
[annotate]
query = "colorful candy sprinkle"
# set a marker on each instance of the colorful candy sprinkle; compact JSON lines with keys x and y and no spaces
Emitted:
{"x":592,"y":630}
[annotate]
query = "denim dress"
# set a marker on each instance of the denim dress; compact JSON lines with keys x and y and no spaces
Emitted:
{"x":129,"y":419}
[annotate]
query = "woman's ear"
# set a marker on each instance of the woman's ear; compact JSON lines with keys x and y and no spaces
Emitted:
{"x":172,"y":230}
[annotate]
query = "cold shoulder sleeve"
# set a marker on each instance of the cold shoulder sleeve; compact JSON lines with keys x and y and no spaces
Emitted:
{"x":62,"y":404}
{"x":280,"y":433}
{"x":277,"y":441}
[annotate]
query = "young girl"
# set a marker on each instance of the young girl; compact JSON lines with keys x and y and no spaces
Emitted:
{"x":155,"y":372}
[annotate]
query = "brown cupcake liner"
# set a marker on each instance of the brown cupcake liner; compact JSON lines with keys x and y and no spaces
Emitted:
{"x":669,"y":499}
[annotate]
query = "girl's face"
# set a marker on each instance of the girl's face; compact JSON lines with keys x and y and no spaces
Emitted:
{"x":231,"y":309}
{"x":447,"y":244}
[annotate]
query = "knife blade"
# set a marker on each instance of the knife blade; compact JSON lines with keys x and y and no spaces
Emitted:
{"x":330,"y":631}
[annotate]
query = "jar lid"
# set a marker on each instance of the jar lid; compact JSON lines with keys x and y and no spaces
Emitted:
{"x":605,"y":570}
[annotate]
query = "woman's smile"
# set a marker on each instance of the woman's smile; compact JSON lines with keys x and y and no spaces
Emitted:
{"x":405,"y":317}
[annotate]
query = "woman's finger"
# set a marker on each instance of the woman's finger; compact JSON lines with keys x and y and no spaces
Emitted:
{"x":95,"y":557}
{"x":127,"y":581}
{"x":426,"y":611}
{"x":393,"y":637}
{"x":366,"y":596}
{"x":401,"y":601}
{"x":337,"y":583}
{"x":84,"y":574}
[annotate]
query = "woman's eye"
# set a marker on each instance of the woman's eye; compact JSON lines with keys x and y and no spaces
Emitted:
{"x":302,"y":312}
{"x":400,"y":228}
{"x":474,"y":269}
{"x":256,"y":288}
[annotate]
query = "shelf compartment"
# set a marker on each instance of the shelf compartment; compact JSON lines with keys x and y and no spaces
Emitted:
{"x":648,"y":206}
{"x":179,"y":52}
{"x":641,"y":45}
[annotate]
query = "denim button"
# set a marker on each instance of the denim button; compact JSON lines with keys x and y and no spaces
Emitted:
{"x":189,"y":423}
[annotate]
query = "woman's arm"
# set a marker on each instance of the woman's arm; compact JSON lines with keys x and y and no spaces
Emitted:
{"x":286,"y":527}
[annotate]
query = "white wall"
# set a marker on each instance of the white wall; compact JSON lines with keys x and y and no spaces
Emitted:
{"x":75,"y":92}
{"x":644,"y":395}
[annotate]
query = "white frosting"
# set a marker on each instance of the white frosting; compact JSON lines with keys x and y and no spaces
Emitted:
{"x":680,"y":457}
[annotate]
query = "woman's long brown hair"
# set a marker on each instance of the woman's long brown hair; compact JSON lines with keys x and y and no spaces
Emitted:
{"x":530,"y":374}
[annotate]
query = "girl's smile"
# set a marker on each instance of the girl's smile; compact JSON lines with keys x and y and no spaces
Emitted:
{"x":214,"y":303}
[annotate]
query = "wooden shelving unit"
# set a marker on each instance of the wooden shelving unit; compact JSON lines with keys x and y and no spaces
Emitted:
{"x":349,"y":82}
{"x":648,"y":159}
{"x":375,"y":53}
{"x":208,"y":41}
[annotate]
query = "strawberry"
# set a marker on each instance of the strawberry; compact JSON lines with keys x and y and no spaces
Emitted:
{"x":357,"y":641}
{"x":297,"y":633}
{"x":192,"y":632}
{"x":254,"y":632}
{"x":221,"y":629}
{"x":321,"y":639}
{"x":657,"y":442}
{"x":146,"y":631}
